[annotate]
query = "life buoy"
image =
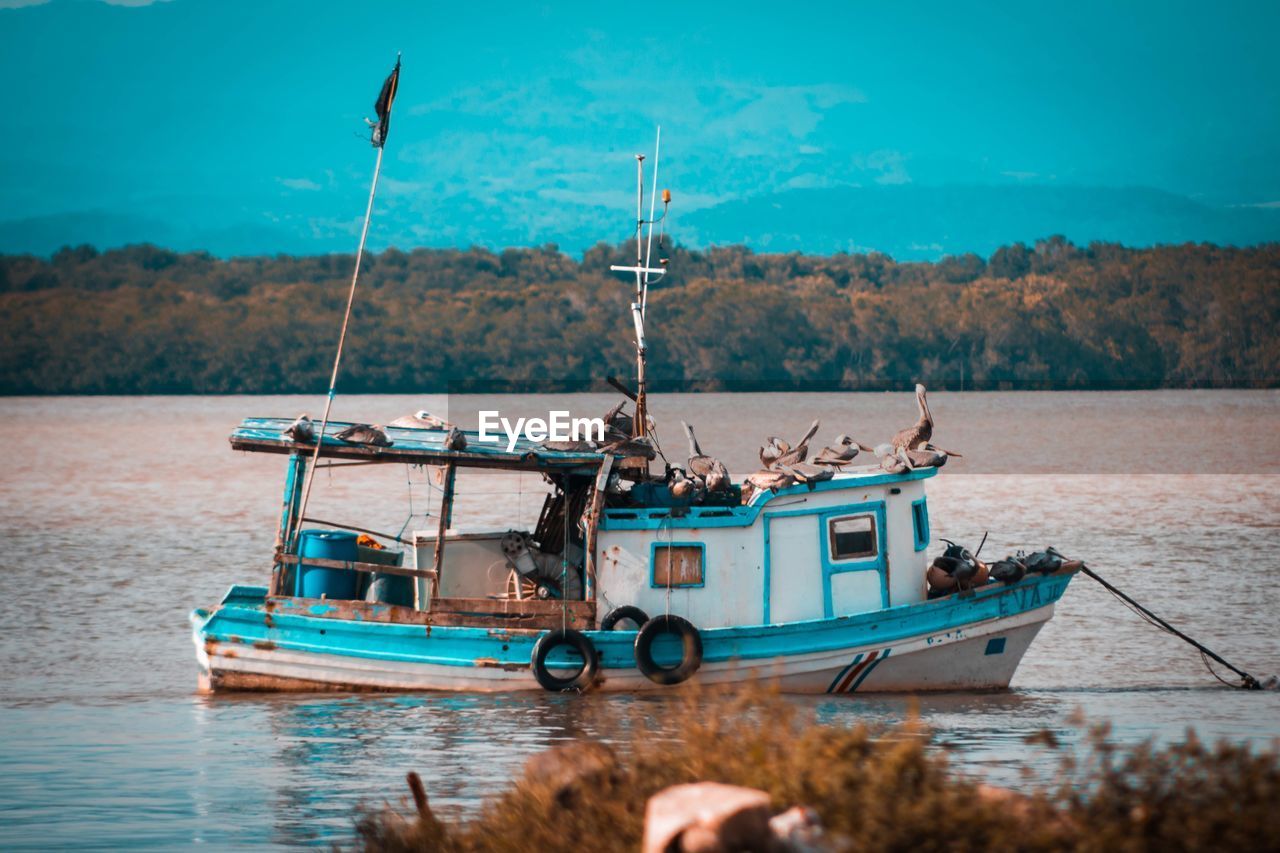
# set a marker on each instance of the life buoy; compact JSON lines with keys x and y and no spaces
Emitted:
{"x":691,"y":649}
{"x":626,"y":611}
{"x":580,"y":680}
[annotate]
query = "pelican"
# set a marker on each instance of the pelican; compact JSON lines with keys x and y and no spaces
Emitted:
{"x":771,"y":479}
{"x":680,"y":485}
{"x":927,"y":456}
{"x":710,"y":469}
{"x":421,"y":419}
{"x":773,"y":449}
{"x":801,"y":451}
{"x":913,"y":437}
{"x":806,"y":473}
{"x":840,"y":454}
{"x":365,"y":434}
{"x":455,"y":440}
{"x":1009,"y":570}
{"x":618,"y":424}
{"x":629,"y":447}
{"x":890,"y":461}
{"x":301,"y":430}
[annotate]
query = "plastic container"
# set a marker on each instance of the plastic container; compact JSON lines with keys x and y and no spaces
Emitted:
{"x":387,"y":589}
{"x":317,"y":582}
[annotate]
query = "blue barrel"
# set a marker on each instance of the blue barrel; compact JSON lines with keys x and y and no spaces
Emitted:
{"x":315,"y":582}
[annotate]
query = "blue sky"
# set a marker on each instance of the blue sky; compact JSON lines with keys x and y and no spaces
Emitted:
{"x":239,"y":124}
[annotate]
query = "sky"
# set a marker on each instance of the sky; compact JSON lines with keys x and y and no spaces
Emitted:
{"x":238,"y":126}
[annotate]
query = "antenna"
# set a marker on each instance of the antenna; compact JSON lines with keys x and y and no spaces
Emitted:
{"x":645,"y":274}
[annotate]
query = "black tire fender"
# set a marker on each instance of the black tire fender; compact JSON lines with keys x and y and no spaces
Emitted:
{"x":626,"y":611}
{"x":581,"y":680}
{"x":690,"y":658}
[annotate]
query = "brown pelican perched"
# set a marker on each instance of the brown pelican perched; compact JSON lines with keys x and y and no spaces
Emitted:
{"x":913,"y":436}
{"x":301,"y":430}
{"x":680,"y":485}
{"x":421,"y":419}
{"x":617,"y":423}
{"x":801,"y":451}
{"x":927,"y":456}
{"x":806,"y":473}
{"x":771,"y":479}
{"x":455,"y":440}
{"x":365,"y":434}
{"x":710,"y":469}
{"x":773,"y":449}
{"x":842,"y":453}
{"x":891,"y":461}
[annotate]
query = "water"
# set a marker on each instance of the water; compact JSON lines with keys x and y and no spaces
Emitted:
{"x":120,"y":514}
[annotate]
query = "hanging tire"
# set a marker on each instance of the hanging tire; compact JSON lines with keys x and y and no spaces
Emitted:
{"x":580,"y":680}
{"x":626,"y":611}
{"x":691,"y":649}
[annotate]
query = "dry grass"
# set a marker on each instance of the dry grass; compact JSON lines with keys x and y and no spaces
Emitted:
{"x":875,"y":789}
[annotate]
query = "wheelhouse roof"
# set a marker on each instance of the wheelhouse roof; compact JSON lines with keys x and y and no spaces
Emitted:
{"x":412,"y":446}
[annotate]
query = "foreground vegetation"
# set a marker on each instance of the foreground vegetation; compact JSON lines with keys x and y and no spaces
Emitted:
{"x":146,"y":320}
{"x":874,"y":789}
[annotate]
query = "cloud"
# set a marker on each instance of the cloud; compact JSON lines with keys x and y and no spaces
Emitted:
{"x":299,"y":183}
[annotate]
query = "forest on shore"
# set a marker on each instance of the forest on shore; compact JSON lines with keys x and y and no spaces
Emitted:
{"x":145,"y":320}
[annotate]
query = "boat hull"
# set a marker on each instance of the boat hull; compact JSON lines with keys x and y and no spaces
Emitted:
{"x":971,"y":641}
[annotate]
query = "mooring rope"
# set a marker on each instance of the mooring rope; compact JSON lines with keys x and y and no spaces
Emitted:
{"x":1248,"y":682}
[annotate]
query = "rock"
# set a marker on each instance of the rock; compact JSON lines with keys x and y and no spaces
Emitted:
{"x":798,"y":830}
{"x":563,"y":769}
{"x":707,"y":817}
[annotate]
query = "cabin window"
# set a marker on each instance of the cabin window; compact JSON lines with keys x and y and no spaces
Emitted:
{"x":852,"y":537}
{"x":677,"y":564}
{"x":920,"y":518}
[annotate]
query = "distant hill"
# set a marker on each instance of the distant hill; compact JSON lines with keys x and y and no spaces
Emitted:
{"x":911,"y":222}
{"x":905,"y":221}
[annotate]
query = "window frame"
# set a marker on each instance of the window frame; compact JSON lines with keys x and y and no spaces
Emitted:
{"x":864,"y":556}
{"x":920,"y":523}
{"x":653,"y":565}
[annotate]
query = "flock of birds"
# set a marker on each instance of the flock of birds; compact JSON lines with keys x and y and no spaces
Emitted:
{"x":783,"y":464}
{"x":303,"y":431}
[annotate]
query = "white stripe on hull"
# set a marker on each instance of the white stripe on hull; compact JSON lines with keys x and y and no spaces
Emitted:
{"x":960,"y":659}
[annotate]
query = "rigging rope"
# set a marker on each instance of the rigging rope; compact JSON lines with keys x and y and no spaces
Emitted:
{"x":342,"y":336}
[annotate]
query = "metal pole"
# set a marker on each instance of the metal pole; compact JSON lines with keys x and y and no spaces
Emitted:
{"x":342,"y":337}
{"x":641,"y":403}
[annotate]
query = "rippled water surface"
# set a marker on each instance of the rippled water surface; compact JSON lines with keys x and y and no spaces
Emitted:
{"x":121,"y":514}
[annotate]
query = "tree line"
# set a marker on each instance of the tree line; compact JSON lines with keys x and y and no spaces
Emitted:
{"x":145,"y":320}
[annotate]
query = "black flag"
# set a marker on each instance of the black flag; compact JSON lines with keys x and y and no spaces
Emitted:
{"x":383,"y":106}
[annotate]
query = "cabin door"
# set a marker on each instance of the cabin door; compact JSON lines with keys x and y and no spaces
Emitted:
{"x":795,"y":569}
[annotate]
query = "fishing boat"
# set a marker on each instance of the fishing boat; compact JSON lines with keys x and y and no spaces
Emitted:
{"x":630,"y":580}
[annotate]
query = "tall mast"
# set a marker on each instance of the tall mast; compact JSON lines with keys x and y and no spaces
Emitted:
{"x":644,"y":276}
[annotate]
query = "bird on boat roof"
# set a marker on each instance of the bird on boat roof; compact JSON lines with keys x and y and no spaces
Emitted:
{"x":617,"y":423}
{"x":773,"y":448}
{"x":455,"y":440}
{"x":919,"y":433}
{"x":371,"y":435}
{"x":807,"y":473}
{"x":301,"y":430}
{"x":801,"y":451}
{"x":771,"y":479}
{"x":890,"y":461}
{"x":710,"y":469}
{"x":681,"y":486}
{"x":929,"y":456}
{"x":421,"y":419}
{"x":844,"y":451}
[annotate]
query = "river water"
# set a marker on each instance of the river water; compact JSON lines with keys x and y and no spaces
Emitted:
{"x":121,"y":514}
